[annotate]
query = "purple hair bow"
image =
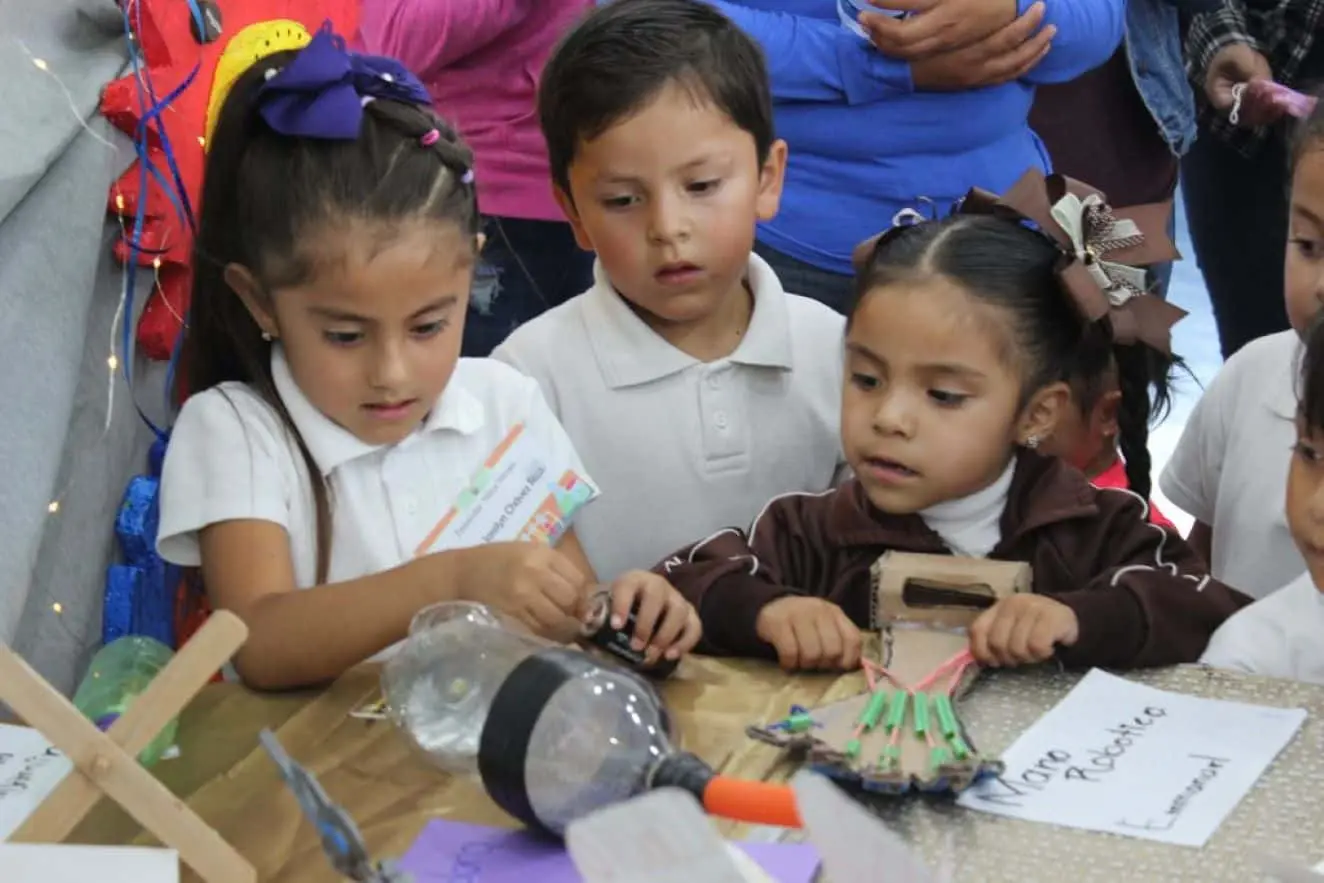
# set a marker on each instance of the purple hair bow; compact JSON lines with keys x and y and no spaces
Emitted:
{"x":321,"y":92}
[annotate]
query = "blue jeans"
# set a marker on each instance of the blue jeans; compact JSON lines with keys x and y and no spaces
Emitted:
{"x":526,"y":268}
{"x":797,"y":277}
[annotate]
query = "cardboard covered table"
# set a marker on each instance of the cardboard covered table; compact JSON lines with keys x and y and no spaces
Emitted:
{"x":391,"y":792}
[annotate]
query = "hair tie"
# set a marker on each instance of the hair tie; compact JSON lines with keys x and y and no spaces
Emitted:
{"x":321,"y":92}
{"x":430,"y":137}
{"x":1102,"y":251}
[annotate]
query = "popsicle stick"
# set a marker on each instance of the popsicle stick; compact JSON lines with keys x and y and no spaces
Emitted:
{"x":182,"y":679}
{"x":105,"y":765}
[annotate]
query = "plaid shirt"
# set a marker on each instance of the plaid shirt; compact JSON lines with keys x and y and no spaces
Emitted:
{"x":1284,"y":35}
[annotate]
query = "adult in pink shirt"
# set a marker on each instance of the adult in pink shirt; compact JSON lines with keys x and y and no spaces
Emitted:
{"x":481,"y":60}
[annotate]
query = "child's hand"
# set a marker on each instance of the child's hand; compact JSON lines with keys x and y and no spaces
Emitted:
{"x":666,"y":624}
{"x":534,"y":583}
{"x":809,"y":633}
{"x":1022,"y":629}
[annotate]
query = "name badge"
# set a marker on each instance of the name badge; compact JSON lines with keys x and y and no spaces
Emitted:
{"x":520,"y":494}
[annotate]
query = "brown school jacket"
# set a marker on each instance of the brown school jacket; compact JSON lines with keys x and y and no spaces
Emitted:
{"x":1141,"y":595}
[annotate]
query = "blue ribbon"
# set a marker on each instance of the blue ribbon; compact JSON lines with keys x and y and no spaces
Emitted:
{"x":322,"y":91}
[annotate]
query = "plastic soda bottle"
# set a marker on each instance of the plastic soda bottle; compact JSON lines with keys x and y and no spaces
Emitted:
{"x":119,"y":673}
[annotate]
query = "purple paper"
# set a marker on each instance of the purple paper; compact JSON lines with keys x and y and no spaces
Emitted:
{"x":452,"y":852}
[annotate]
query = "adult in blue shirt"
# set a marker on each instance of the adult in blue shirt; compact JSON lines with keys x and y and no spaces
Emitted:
{"x":910,"y":115}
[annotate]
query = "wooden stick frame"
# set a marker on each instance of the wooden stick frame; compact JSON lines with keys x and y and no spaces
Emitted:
{"x":105,"y":764}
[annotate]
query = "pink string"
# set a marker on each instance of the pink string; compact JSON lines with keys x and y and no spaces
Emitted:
{"x":956,"y":678}
{"x":430,"y":137}
{"x":960,"y":660}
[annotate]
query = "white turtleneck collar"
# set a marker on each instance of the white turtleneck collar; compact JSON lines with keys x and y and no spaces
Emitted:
{"x":972,"y":525}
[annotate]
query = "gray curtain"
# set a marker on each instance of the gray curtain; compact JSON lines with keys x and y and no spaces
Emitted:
{"x":59,"y":290}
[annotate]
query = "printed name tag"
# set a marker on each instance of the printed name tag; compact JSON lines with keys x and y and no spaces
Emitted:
{"x":520,"y":494}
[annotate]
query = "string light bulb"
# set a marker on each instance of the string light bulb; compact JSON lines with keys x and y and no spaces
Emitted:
{"x":57,"y":607}
{"x":40,"y":64}
{"x":202,"y":142}
{"x":53,"y":506}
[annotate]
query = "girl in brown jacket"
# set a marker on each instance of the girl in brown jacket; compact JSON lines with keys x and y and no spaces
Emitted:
{"x":958,"y":349}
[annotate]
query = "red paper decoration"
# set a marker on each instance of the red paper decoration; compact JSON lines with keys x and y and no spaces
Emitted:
{"x":163,"y":29}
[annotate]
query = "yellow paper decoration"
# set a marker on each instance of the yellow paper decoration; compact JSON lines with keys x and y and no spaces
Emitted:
{"x":245,"y":49}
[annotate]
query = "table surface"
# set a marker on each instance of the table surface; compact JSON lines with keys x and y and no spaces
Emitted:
{"x":392,"y":792}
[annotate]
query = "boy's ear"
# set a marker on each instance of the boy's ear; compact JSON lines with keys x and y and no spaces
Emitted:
{"x":771,"y":178}
{"x":1105,"y":413}
{"x":1043,"y":412}
{"x":244,"y":285}
{"x":567,"y":205}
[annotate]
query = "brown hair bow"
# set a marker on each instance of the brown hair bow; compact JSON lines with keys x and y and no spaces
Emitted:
{"x":1102,"y":249}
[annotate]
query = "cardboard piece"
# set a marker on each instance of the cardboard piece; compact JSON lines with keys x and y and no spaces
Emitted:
{"x":922,"y":606}
{"x":106,"y":763}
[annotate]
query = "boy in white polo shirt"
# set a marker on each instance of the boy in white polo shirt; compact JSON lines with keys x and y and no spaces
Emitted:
{"x":692,"y":385}
{"x":1230,"y":466}
{"x":1282,"y":635}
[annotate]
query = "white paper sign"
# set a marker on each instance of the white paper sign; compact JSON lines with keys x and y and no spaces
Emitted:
{"x":65,"y":863}
{"x":30,"y":768}
{"x":1127,"y":759}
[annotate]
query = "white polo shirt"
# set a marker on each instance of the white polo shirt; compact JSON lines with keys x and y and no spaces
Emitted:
{"x":1230,"y":468}
{"x":230,"y":457}
{"x":682,"y":448}
{"x":1279,"y":636}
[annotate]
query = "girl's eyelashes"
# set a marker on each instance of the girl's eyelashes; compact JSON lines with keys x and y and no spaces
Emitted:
{"x":1309,"y":248}
{"x":342,"y":338}
{"x":1307,"y":452}
{"x":947,"y":398}
{"x":422,"y":330}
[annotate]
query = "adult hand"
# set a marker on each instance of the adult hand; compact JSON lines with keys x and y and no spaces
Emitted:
{"x":1237,"y":65}
{"x":1005,"y":55}
{"x":810,"y":633}
{"x":934,"y":26}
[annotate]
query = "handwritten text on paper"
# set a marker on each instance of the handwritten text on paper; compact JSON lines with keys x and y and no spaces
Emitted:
{"x":30,"y":768}
{"x":1121,"y":757}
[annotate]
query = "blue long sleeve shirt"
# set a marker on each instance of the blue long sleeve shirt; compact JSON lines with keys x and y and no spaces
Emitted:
{"x":864,"y":144}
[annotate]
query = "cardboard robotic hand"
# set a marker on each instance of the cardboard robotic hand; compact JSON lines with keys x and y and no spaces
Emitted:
{"x":904,"y":732}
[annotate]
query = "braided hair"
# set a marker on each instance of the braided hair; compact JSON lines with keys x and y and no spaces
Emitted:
{"x":264,"y":193}
{"x":1144,"y":377}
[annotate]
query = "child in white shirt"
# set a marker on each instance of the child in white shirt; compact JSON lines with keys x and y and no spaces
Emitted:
{"x":1282,"y":635}
{"x":1231,"y":464}
{"x":332,"y":425}
{"x":694,"y":387}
